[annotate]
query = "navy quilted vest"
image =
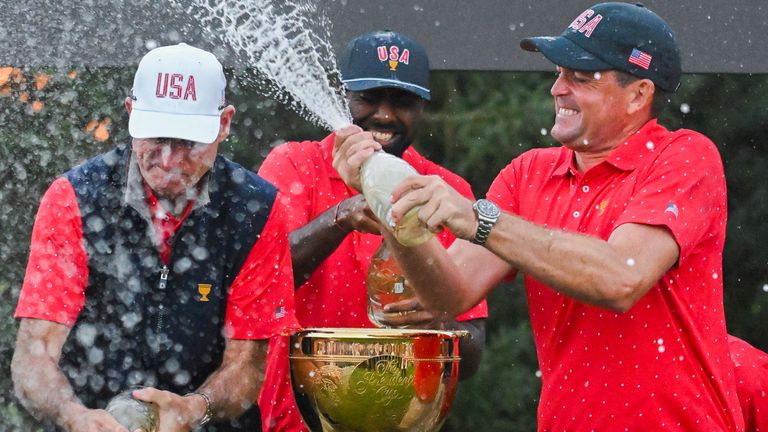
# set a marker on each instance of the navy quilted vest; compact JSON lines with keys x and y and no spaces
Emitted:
{"x":144,"y":324}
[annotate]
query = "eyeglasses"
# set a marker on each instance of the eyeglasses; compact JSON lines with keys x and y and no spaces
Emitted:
{"x":176,"y":142}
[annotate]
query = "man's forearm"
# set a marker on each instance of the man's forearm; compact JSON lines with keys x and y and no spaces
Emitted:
{"x":38,"y":382}
{"x":430,"y":270}
{"x":612,"y":274}
{"x":235,"y":386}
{"x":313,"y":243}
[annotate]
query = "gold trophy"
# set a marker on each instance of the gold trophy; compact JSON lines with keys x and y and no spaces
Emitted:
{"x":373,"y":380}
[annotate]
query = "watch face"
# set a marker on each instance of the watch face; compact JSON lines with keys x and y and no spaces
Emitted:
{"x":487,"y":208}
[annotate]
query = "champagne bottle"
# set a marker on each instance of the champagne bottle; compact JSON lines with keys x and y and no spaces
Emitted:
{"x":385,"y":284}
{"x":379,"y":175}
{"x":133,"y":413}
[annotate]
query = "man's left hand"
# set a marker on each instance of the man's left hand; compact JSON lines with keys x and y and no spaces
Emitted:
{"x":442,"y":205}
{"x":409,"y":313}
{"x":176,"y":413}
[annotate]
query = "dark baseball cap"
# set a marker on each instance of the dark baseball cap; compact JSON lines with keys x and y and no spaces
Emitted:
{"x":622,"y":36}
{"x":385,"y":59}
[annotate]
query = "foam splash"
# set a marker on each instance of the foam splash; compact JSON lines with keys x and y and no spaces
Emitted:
{"x":287,"y":42}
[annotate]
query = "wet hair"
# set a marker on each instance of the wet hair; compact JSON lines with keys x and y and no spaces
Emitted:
{"x":661,"y":98}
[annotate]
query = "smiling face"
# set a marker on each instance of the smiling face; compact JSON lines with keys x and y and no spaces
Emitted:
{"x":591,"y":109}
{"x":392,"y":115}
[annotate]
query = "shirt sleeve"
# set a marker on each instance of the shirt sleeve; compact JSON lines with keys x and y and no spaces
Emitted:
{"x":260,"y":302}
{"x":683,"y":190}
{"x":57,"y":271}
{"x":503,"y":190}
{"x":282,"y":171}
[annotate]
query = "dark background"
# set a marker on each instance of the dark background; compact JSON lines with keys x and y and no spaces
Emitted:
{"x":458,"y":34}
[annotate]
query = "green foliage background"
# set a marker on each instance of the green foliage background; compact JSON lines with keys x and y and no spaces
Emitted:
{"x":476,"y":123}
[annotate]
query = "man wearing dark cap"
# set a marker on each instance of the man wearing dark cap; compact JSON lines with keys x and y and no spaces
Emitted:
{"x":333,"y":233}
{"x":619,"y":234}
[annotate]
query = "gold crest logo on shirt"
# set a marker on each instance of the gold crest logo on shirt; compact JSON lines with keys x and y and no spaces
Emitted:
{"x":602,"y":206}
{"x":204,"y":290}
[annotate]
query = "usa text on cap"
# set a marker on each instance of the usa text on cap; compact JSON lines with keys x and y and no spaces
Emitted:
{"x":621,"y":36}
{"x":385,"y":59}
{"x":178,"y":92}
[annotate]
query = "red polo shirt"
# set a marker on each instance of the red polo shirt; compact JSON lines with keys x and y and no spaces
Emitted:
{"x":662,"y":365}
{"x":751,"y":383}
{"x":335,"y":294}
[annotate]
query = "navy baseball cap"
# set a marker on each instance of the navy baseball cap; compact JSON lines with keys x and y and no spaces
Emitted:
{"x":622,"y":36}
{"x":385,"y":59}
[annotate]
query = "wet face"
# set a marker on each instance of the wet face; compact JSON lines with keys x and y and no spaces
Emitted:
{"x":391,"y":115}
{"x":591,"y":109}
{"x":172,"y":166}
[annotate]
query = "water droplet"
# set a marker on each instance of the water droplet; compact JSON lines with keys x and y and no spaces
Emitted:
{"x":598,"y":75}
{"x":543,"y":131}
{"x":649,"y":145}
{"x":631,"y":262}
{"x":661,"y":348}
{"x":585,"y":142}
{"x":685,"y":108}
{"x":266,"y":35}
{"x":765,"y":288}
{"x":538,"y":373}
{"x":715,"y":275}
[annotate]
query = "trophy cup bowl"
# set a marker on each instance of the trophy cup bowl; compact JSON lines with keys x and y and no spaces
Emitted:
{"x":379,"y":379}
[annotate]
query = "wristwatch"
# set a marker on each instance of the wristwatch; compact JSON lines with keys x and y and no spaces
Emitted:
{"x":487,"y":214}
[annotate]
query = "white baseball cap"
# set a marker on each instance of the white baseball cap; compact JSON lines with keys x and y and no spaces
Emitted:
{"x":178,"y":92}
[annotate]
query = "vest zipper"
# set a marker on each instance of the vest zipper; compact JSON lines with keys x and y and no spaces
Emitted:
{"x":161,"y":285}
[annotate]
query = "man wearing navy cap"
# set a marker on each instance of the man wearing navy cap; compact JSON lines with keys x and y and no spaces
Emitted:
{"x":333,"y":234}
{"x":619,"y":234}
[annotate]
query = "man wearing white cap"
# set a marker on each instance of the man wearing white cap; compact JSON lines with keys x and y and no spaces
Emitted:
{"x":160,"y":265}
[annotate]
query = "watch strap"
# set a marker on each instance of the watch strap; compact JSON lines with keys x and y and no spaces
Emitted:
{"x":208,"y":416}
{"x":485,"y":222}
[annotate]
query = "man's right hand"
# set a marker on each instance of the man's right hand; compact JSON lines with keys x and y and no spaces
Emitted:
{"x":351,"y":148}
{"x":353,"y":214}
{"x":91,"y":420}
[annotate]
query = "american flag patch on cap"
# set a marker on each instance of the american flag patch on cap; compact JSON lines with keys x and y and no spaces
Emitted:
{"x":640,"y":58}
{"x":280,"y":312}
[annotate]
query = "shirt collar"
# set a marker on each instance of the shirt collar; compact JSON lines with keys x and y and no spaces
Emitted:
{"x":627,"y":156}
